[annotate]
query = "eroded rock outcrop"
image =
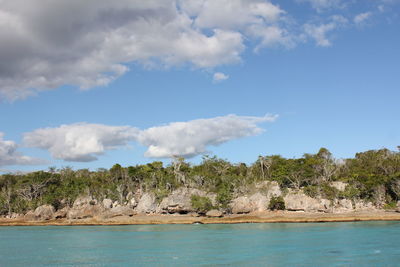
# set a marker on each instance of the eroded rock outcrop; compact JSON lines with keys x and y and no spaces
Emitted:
{"x":147,"y":204}
{"x":44,"y":212}
{"x":179,"y":201}
{"x":214,"y":214}
{"x":84,"y":207}
{"x":298,"y":201}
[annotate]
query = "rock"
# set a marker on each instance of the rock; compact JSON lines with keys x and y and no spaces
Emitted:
{"x":343,"y":205}
{"x":147,"y":204}
{"x":259,"y":202}
{"x":241,"y":205}
{"x":180,"y":200}
{"x":83,"y":201}
{"x":398,"y":206}
{"x":107,"y":203}
{"x":87,"y":211}
{"x":361,"y":205}
{"x":269,"y":189}
{"x":214,"y":213}
{"x":129,"y":196}
{"x":341,"y":186}
{"x":14,"y":215}
{"x":62,"y":213}
{"x":44,"y":212}
{"x":30,"y":216}
{"x":119,"y":211}
{"x":298,"y":201}
{"x":132,"y":203}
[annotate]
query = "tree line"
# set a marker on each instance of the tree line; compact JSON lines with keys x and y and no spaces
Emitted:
{"x":373,"y":175}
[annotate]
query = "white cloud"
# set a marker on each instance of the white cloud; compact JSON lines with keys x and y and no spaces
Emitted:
{"x":10,"y":156}
{"x":219,"y":76}
{"x":188,"y":139}
{"x":80,"y":142}
{"x":46,"y":44}
{"x":319,"y":32}
{"x":362,"y":17}
{"x":321,"y":5}
{"x":83,"y":142}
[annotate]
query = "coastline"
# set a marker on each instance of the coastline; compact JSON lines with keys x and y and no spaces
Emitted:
{"x":261,"y":217}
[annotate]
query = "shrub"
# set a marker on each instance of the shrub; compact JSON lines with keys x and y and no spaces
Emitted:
{"x":201,"y":204}
{"x":276,"y":203}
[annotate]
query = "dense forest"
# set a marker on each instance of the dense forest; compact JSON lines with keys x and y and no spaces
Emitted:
{"x":372,"y":175}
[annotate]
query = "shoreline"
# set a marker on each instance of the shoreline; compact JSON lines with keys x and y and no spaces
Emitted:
{"x":262,"y":217}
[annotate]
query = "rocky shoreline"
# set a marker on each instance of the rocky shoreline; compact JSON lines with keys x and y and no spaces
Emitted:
{"x":260,"y":217}
{"x":178,"y":207}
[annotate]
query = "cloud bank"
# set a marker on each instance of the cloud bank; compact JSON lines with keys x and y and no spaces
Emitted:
{"x":83,"y":142}
{"x":188,"y":139}
{"x":10,"y":156}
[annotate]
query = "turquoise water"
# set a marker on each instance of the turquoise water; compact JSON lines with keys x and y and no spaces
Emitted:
{"x":282,"y":244}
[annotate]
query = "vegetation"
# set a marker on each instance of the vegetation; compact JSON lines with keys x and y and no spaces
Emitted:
{"x":372,"y":175}
{"x":276,"y":203}
{"x":201,"y":204}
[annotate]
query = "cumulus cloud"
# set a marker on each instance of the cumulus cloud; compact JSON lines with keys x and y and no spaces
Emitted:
{"x":362,"y":17}
{"x":46,"y":44}
{"x":188,"y":139}
{"x":83,"y":142}
{"x":80,"y":142}
{"x":219,"y":76}
{"x":10,"y":156}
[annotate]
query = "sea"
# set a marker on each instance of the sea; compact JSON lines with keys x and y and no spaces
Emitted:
{"x":259,"y":244}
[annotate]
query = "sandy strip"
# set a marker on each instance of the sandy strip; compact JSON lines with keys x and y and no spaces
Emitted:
{"x":265,"y":217}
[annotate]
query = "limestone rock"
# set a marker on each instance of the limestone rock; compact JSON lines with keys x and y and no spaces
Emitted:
{"x":214,"y":213}
{"x":259,"y":202}
{"x":241,"y":205}
{"x":398,"y":206}
{"x":83,"y":201}
{"x":119,"y":211}
{"x":30,"y":216}
{"x":298,"y":201}
{"x":179,"y":201}
{"x":83,"y":212}
{"x":107,"y":203}
{"x":44,"y":212}
{"x":147,"y":204}
{"x":62,"y":213}
{"x":269,"y":188}
{"x":132,"y":203}
{"x":343,"y":205}
{"x":361,"y":205}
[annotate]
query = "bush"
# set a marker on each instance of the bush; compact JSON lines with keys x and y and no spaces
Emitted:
{"x":201,"y":204}
{"x":276,"y":203}
{"x":390,"y":206}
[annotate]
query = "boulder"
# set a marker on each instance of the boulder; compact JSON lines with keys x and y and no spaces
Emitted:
{"x":30,"y":216}
{"x":179,"y":201}
{"x":398,"y":206}
{"x":214,"y":213}
{"x":259,"y":202}
{"x":107,"y":203}
{"x":44,"y":212}
{"x":132,"y":203}
{"x":84,"y":212}
{"x":269,"y":188}
{"x":83,"y":201}
{"x":119,"y":211}
{"x":147,"y":204}
{"x":298,"y":201}
{"x":62,"y":213}
{"x":241,"y":205}
{"x":343,"y":205}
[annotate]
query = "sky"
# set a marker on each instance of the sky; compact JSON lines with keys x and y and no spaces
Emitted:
{"x":88,"y":84}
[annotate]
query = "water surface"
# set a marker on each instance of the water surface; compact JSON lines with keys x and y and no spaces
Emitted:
{"x":279,"y":244}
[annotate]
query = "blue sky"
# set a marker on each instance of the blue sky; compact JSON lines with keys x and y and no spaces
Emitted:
{"x":329,"y":70}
